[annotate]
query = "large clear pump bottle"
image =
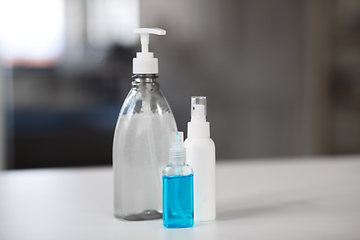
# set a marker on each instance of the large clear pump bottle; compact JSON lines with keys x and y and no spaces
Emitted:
{"x":142,"y":140}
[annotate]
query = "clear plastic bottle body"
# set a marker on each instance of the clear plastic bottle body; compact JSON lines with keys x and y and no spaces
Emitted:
{"x":140,"y":150}
{"x":178,"y":196}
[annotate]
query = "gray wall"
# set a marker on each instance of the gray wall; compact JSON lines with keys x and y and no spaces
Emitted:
{"x":247,"y":58}
{"x":2,"y":119}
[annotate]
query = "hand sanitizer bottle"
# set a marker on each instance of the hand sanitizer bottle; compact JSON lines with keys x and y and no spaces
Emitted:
{"x":142,"y":140}
{"x":178,"y":192}
{"x":200,"y":154}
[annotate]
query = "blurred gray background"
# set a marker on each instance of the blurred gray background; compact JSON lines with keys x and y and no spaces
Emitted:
{"x":282,"y":78}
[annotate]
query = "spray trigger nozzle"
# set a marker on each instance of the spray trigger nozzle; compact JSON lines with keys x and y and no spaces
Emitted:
{"x":177,"y":148}
{"x":198,"y":108}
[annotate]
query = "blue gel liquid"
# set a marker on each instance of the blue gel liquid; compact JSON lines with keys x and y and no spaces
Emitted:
{"x":178,"y":201}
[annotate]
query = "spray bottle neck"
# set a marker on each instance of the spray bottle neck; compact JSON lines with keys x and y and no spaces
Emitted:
{"x":198,"y":129}
{"x":178,"y":163}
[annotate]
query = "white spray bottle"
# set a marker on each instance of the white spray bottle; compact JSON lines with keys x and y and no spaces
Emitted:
{"x":200,"y":154}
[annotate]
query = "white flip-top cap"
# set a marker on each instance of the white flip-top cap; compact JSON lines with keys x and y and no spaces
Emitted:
{"x":145,"y":63}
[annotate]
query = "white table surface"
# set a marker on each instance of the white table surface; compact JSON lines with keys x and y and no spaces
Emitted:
{"x":301,"y":198}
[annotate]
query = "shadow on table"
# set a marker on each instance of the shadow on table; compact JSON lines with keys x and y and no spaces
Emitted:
{"x":231,"y":211}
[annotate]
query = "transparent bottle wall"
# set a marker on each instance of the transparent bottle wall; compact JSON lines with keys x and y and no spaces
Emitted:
{"x":141,"y":150}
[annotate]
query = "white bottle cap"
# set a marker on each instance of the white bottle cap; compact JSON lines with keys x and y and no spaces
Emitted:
{"x":198,"y":126}
{"x":145,"y":63}
{"x":198,"y":108}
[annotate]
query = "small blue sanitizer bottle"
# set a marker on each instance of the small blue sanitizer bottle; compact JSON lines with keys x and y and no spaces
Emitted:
{"x":178,"y":187}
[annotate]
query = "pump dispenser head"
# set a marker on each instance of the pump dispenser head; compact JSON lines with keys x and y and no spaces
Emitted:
{"x":145,"y":63}
{"x":177,"y":148}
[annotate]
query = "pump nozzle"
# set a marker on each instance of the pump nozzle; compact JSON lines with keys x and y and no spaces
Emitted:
{"x":144,"y":36}
{"x":145,"y":63}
